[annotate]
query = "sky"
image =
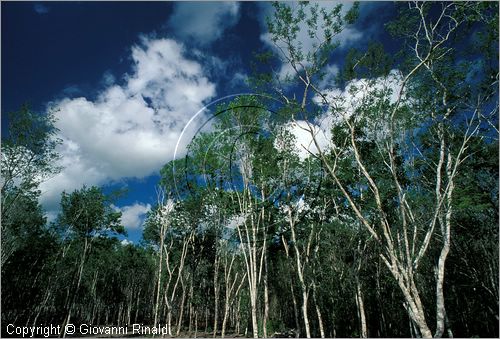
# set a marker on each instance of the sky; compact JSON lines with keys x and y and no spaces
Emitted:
{"x":125,"y":79}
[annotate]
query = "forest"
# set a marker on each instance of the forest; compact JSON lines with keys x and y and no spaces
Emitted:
{"x":384,"y":225}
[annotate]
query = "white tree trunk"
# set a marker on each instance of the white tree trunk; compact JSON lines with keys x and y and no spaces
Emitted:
{"x":361,"y":310}
{"x":266,"y":301}
{"x":216,"y":292}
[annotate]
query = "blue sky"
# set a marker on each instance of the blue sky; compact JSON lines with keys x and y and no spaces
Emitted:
{"x":125,"y":78}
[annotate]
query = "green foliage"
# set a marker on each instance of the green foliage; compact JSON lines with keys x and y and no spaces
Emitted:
{"x":88,"y":212}
{"x":28,"y":158}
{"x":246,"y":172}
{"x":374,"y":62}
{"x":28,"y":150}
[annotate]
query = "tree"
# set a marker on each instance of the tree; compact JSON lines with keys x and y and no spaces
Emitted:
{"x":380,"y":115}
{"x":28,"y":158}
{"x":386,"y":225}
{"x":86,"y":215}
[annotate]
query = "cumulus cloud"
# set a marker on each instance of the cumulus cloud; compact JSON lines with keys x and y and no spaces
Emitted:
{"x":303,"y":139}
{"x":331,"y":71}
{"x":347,"y":100}
{"x":359,"y":91}
{"x":133,"y":215}
{"x":129,"y":130}
{"x":204,"y":22}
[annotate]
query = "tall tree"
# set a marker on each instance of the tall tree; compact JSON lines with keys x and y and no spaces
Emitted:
{"x":86,"y":214}
{"x":28,"y":158}
{"x":380,"y":113}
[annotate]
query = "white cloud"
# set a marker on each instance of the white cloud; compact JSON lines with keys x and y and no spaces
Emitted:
{"x":240,"y":77}
{"x":133,"y":215}
{"x":331,"y":72}
{"x":361,"y":92}
{"x":108,"y":78}
{"x":126,"y":242}
{"x":348,"y":100}
{"x":303,"y":141}
{"x":129,"y":130}
{"x":203,"y":21}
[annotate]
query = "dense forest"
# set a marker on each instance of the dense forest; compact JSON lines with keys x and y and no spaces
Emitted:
{"x":384,"y":225}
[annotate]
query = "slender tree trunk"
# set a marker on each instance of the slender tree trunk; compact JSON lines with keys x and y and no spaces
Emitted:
{"x":295,"y":307}
{"x":334,"y":330}
{"x":228,"y":300}
{"x":224,"y":321}
{"x":255,"y":325}
{"x":195,"y":323}
{"x":445,"y":231}
{"x":179,"y":321}
{"x":413,"y":329}
{"x":300,"y":274}
{"x":158,"y":281}
{"x":66,"y":321}
{"x":44,"y":304}
{"x":238,"y":316}
{"x":137,"y":301}
{"x":361,"y":310}
{"x":266,"y":300}
{"x":206,"y":321}
{"x":169,"y":321}
{"x":216,"y":292}
{"x":318,"y":313}
{"x":79,"y":279}
{"x":382,"y":321}
{"x":304,"y":311}
{"x":252,"y":252}
{"x":190,"y":304}
{"x":294,"y":299}
{"x":129,"y":310}
{"x":120,"y":312}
